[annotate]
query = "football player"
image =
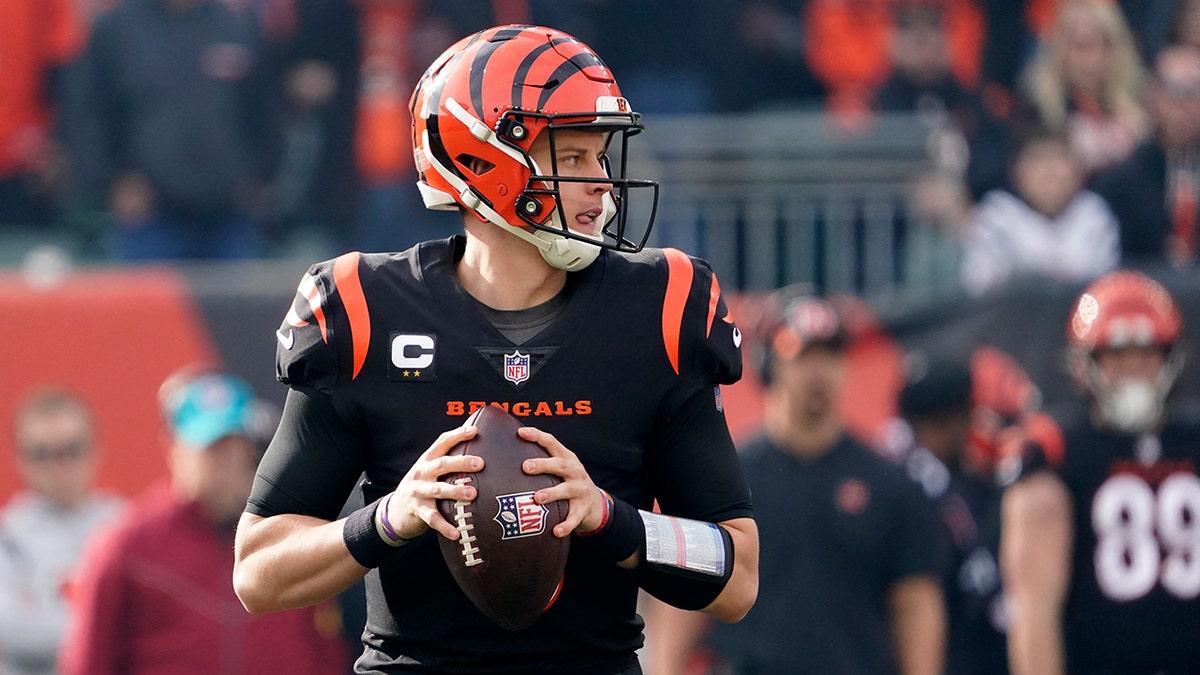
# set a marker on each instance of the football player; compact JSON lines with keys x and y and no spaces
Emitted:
{"x":547,"y":307}
{"x":1100,"y":548}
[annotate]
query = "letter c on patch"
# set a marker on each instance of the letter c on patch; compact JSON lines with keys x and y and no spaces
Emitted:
{"x":412,"y":351}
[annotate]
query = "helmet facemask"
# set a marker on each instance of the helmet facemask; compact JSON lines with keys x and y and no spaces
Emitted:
{"x":1128,"y":405}
{"x":542,"y":197}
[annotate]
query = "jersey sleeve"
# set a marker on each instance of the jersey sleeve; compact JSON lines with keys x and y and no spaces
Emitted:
{"x":918,"y":547}
{"x":324,"y":335}
{"x":702,"y":340}
{"x":694,"y":467}
{"x":312,"y":462}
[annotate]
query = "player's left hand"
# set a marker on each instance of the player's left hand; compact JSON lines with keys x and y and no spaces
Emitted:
{"x":585,"y":503}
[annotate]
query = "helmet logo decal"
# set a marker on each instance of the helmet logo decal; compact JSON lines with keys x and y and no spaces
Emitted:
{"x":1089,"y":309}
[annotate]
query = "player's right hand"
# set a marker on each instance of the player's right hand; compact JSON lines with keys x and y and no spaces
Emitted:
{"x":413,"y":506}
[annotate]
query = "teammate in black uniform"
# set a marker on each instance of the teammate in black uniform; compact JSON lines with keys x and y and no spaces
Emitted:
{"x":612,"y":354}
{"x":935,"y":443}
{"x":1101,"y":546}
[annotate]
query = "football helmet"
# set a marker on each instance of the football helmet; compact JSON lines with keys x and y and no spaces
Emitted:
{"x":477,"y":111}
{"x":1125,"y":309}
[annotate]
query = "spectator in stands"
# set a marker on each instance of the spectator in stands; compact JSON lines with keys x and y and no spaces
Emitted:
{"x":930,"y":255}
{"x":37,"y":38}
{"x":848,"y":43}
{"x":1047,"y":226}
{"x":852,"y":555}
{"x":1154,"y":192}
{"x":965,"y":138}
{"x":762,"y":64}
{"x":1085,"y":81}
{"x":313,"y":62}
{"x":181,"y":133}
{"x":398,"y":37}
{"x":44,"y":528}
{"x":155,"y":593}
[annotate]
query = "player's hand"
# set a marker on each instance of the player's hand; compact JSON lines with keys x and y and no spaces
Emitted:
{"x":585,"y":504}
{"x":413,"y":506}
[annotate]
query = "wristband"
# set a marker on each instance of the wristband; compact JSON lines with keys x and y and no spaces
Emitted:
{"x":604,"y":516}
{"x":384,"y":527}
{"x":362,"y":538}
{"x":623,"y":535}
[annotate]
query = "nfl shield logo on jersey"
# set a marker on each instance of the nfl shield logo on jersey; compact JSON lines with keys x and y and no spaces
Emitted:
{"x":520,"y":516}
{"x":516,"y":367}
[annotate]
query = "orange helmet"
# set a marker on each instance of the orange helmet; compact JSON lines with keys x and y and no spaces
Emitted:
{"x":488,"y":98}
{"x":1125,"y":309}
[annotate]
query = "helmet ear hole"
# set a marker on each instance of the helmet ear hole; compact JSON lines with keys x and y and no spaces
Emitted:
{"x":476,"y":165}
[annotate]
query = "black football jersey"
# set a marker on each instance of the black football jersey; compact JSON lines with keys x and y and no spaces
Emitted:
{"x":403,"y":354}
{"x":1134,"y":602}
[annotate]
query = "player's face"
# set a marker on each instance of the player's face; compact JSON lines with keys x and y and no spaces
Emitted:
{"x":578,"y":154}
{"x":1131,"y":363}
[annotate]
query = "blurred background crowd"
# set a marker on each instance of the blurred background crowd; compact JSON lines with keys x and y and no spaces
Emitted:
{"x":949,"y":172}
{"x":200,"y":129}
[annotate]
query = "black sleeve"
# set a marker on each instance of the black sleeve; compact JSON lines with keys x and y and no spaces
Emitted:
{"x":918,"y":546}
{"x":312,"y":463}
{"x":693,"y":464}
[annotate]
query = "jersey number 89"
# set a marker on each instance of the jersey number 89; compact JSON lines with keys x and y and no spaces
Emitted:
{"x":1143,"y":537}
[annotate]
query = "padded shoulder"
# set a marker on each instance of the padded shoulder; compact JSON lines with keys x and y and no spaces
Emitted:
{"x":325,"y":333}
{"x":699,"y":335}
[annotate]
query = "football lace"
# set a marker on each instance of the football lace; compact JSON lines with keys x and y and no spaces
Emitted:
{"x":463,"y":518}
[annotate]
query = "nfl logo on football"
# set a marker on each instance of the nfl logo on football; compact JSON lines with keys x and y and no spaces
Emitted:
{"x":520,"y":516}
{"x":516,"y":367}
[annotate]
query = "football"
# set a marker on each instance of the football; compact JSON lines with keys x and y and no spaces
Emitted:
{"x":507,"y":559}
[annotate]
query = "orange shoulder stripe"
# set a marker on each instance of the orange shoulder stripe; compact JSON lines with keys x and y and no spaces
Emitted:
{"x":679,"y":283}
{"x":714,"y":297}
{"x":349,"y":287}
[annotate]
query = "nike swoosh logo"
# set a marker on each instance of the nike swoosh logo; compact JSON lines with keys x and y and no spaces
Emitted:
{"x":286,"y":339}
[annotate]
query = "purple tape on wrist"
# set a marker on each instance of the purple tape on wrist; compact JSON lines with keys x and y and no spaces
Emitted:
{"x":383,"y":520}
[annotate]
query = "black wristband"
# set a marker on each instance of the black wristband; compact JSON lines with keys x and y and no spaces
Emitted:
{"x":363,"y":540}
{"x":621,"y":537}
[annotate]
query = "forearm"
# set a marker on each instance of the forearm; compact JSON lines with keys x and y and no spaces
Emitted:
{"x":288,"y":561}
{"x":715,"y":575}
{"x":741,"y":591}
{"x":1035,"y":554}
{"x":918,"y":625}
{"x":1035,"y":642}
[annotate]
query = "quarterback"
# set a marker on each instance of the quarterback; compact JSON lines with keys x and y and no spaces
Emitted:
{"x":548,"y":306}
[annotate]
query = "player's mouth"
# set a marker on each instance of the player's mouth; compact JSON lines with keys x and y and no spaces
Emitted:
{"x":588,"y":222}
